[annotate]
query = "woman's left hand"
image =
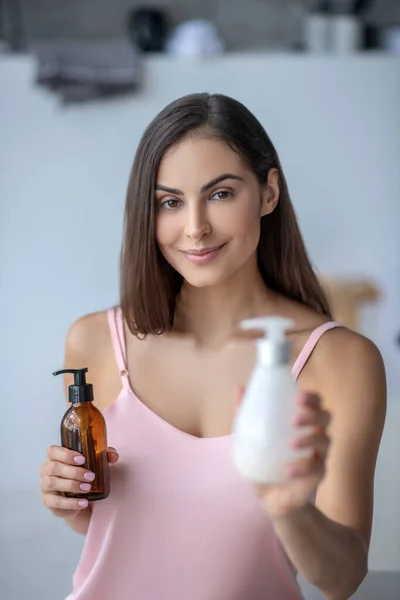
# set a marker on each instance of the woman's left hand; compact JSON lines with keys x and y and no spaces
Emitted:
{"x":305,"y":474}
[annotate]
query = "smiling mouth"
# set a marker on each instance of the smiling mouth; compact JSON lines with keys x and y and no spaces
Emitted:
{"x":203,"y":251}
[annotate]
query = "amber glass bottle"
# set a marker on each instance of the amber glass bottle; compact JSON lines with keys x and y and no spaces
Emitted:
{"x":83,"y":429}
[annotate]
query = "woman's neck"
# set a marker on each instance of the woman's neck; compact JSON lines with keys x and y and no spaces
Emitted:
{"x":211,"y":314}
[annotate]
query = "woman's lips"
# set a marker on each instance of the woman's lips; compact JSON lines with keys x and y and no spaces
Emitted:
{"x":203,"y":256}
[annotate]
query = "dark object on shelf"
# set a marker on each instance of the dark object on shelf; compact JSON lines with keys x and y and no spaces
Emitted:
{"x":359,"y":7}
{"x":371,"y":37}
{"x":324,"y":7}
{"x":83,"y":70}
{"x":147,"y":28}
{"x":12,"y":30}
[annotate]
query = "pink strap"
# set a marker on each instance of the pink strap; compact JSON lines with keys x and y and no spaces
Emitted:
{"x":310,"y":345}
{"x":117,"y":333}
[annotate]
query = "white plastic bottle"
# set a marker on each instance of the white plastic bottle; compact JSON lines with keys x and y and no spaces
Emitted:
{"x":263,"y":430}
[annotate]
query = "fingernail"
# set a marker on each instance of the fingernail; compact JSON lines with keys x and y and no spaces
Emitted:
{"x":89,"y":476}
{"x":292,"y":471}
{"x":83,"y":503}
{"x":85,"y":487}
{"x":79,"y":460}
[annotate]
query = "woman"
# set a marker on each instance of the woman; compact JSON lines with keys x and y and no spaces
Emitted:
{"x":210,"y":239}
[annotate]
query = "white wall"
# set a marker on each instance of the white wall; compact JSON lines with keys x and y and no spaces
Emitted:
{"x":336,"y":124}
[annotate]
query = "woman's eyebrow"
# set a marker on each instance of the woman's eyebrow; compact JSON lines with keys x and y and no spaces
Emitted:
{"x":204,"y":188}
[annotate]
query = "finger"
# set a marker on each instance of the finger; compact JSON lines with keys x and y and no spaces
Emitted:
{"x":319,"y":442}
{"x":58,"y":469}
{"x":306,"y":418}
{"x":64,"y":455}
{"x":112,"y":455}
{"x":54,"y":485}
{"x":55,"y":502}
{"x":309,"y":400}
{"x":313,"y":466}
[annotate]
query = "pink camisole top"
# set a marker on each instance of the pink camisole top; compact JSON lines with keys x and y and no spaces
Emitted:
{"x":180,"y":522}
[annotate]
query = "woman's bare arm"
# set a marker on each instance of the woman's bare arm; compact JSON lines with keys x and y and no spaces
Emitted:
{"x":328,"y":542}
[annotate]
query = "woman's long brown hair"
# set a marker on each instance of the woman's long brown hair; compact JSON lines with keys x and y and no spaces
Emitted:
{"x":148,"y":284}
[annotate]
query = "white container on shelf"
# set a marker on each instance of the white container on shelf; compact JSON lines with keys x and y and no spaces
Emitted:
{"x":346,"y":34}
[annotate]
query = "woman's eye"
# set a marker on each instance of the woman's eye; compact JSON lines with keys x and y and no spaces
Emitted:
{"x":170,"y":204}
{"x":222,"y":195}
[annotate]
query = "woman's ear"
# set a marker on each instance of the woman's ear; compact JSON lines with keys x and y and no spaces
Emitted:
{"x":270,"y":193}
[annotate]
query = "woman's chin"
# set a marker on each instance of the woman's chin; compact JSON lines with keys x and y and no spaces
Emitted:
{"x":202,"y":281}
{"x":205,"y":277}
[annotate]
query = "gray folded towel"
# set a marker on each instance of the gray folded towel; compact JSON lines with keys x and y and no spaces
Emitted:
{"x":85,"y":70}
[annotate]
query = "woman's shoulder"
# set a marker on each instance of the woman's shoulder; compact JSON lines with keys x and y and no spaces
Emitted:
{"x":347,"y":370}
{"x":347,"y":353}
{"x":88,"y":344}
{"x":339,"y":351}
{"x":88,"y":334}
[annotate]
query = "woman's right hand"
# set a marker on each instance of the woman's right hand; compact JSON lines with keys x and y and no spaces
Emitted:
{"x":64,"y":471}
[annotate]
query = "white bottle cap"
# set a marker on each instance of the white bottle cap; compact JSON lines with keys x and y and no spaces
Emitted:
{"x":274,"y":347}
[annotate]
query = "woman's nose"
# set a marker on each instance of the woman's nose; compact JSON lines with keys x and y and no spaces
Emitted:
{"x":197,"y":222}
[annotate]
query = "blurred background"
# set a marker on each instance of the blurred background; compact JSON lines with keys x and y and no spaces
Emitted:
{"x":79,"y":81}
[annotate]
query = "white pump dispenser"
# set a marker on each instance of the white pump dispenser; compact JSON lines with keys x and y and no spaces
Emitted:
{"x":262,"y":429}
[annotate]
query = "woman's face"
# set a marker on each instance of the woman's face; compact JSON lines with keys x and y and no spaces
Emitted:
{"x":208,"y":210}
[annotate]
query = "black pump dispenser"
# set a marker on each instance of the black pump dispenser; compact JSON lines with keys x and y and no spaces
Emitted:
{"x":80,"y":391}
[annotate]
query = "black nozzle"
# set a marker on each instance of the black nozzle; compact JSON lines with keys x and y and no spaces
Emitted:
{"x":79,"y":375}
{"x":80,"y":391}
